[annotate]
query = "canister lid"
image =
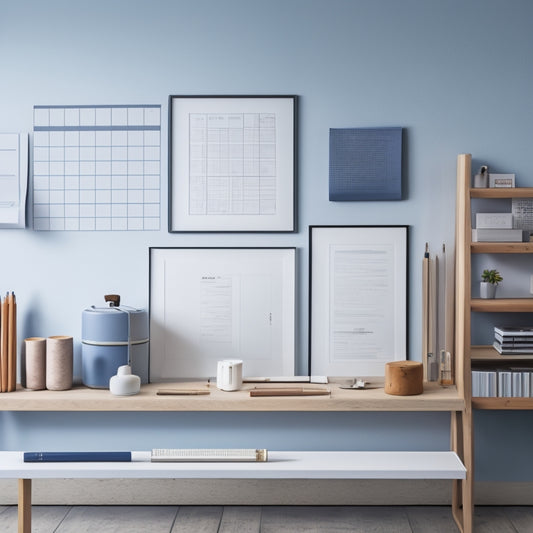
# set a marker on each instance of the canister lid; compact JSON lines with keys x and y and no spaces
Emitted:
{"x":120,"y":310}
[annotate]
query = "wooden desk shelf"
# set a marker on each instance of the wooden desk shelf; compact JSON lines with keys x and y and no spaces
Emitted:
{"x":434,"y":398}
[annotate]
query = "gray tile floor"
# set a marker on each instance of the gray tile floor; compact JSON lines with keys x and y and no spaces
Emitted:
{"x":268,"y":519}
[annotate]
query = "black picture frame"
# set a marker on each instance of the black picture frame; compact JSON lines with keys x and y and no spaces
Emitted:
{"x":219,"y":186}
{"x":358,"y":299}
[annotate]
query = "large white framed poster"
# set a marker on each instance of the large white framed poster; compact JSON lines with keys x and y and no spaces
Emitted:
{"x":209,"y":304}
{"x":358,"y":299}
{"x":232,"y":163}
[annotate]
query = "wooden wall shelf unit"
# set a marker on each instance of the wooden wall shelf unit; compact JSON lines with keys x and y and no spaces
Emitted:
{"x":467,"y":354}
{"x":465,"y":304}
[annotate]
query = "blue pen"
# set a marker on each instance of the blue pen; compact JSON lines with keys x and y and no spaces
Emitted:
{"x":75,"y":457}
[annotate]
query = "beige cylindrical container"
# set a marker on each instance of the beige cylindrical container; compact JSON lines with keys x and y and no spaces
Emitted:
{"x":59,"y":362}
{"x":35,"y":359}
{"x":404,"y":378}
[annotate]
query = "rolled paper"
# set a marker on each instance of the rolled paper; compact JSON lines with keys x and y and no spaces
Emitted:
{"x":35,"y":358}
{"x":59,"y":362}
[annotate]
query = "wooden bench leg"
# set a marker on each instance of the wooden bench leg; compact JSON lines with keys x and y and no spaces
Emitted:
{"x":24,"y":506}
{"x":462,"y":494}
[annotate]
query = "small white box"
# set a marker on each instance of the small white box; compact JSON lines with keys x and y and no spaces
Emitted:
{"x":496,"y":235}
{"x":501,"y":180}
{"x":494,"y":220}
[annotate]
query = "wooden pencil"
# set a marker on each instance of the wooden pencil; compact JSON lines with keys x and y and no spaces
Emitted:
{"x":12,"y":346}
{"x":9,"y":303}
{"x":3,"y":345}
{"x":425,"y":311}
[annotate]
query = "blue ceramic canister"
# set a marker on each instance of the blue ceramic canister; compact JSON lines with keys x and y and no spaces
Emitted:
{"x":112,"y":337}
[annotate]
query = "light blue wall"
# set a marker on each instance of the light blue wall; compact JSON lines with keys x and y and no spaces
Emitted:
{"x":457,"y":75}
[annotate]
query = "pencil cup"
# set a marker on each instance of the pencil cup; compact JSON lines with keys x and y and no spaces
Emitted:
{"x":59,"y":364}
{"x":35,"y":358}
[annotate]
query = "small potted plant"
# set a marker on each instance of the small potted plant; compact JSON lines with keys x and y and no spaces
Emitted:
{"x":489,"y":282}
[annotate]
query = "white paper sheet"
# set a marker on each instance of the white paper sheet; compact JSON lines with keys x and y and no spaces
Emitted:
{"x":360,"y":303}
{"x":13,"y":179}
{"x":358,"y":299}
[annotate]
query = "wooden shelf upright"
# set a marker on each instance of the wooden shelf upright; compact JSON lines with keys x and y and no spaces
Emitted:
{"x":466,"y":354}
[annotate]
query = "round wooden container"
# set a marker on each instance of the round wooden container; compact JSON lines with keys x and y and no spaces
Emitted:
{"x":404,"y":378}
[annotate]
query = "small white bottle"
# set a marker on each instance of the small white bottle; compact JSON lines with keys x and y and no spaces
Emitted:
{"x":124,"y":383}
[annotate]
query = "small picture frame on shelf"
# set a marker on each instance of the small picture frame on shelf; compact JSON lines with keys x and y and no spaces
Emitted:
{"x":501,"y":181}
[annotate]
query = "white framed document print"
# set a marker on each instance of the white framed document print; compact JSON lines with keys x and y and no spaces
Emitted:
{"x":209,"y":304}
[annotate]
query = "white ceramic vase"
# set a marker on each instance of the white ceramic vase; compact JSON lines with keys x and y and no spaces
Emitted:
{"x":124,"y":383}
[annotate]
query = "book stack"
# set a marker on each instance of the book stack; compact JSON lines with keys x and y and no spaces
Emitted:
{"x":8,"y":343}
{"x":507,"y":383}
{"x":511,"y":340}
{"x":495,"y":227}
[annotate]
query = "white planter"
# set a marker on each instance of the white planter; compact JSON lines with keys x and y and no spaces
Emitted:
{"x":487,"y":290}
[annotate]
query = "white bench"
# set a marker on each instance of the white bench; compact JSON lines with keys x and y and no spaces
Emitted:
{"x":280,"y":465}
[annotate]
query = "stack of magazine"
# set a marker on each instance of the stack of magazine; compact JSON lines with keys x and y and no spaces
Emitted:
{"x":508,"y":383}
{"x":513,"y":340}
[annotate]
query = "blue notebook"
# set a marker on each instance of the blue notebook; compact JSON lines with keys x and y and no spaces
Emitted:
{"x":365,"y":164}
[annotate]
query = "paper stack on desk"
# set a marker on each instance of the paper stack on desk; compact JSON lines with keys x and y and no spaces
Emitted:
{"x":8,"y":343}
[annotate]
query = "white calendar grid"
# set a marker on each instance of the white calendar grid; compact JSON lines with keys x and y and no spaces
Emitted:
{"x":97,"y":168}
